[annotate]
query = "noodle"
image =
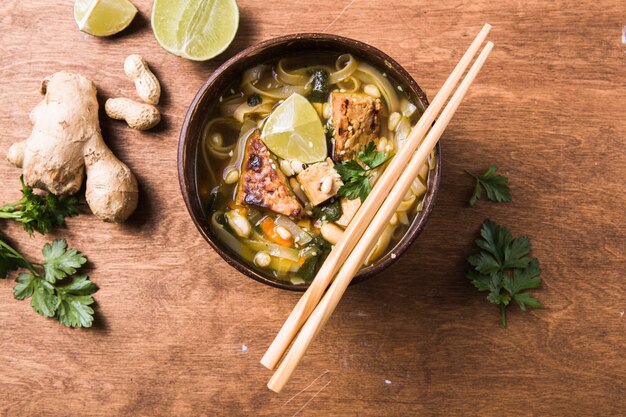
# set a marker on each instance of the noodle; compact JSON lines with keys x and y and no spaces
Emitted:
{"x":346,"y":65}
{"x":272,"y":84}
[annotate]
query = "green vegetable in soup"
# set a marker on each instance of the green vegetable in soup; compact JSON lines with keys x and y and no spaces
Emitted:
{"x":254,"y":100}
{"x":329,"y":210}
{"x":319,"y":86}
{"x":317,"y":252}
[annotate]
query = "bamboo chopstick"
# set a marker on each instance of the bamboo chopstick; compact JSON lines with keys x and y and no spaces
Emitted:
{"x":330,"y":300}
{"x":361,"y":220}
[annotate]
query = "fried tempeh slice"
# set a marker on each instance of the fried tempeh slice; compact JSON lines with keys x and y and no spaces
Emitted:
{"x":262,"y":184}
{"x":356,"y":120}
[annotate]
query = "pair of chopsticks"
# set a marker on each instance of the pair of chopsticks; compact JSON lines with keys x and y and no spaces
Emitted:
{"x":347,"y":256}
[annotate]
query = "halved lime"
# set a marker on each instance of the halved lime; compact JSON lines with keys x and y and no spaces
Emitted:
{"x":195,"y":29}
{"x":294,"y":131}
{"x":103,"y":17}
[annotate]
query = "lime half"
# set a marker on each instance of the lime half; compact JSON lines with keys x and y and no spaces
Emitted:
{"x":294,"y":131}
{"x":195,"y":29}
{"x":103,"y":17}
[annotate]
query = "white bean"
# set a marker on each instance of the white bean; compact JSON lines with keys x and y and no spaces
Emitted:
{"x":331,"y":232}
{"x":232,"y":176}
{"x":326,"y":111}
{"x":394,"y":119}
{"x":285,"y":166}
{"x":371,"y":90}
{"x":217,"y":139}
{"x":382,"y":144}
{"x":326,"y":185}
{"x":262,"y":259}
{"x":283,"y":232}
{"x":239,"y":224}
{"x":297,"y":166}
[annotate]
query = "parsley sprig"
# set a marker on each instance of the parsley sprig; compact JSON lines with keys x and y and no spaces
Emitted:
{"x":356,"y":179}
{"x":496,"y":186}
{"x":39,"y":213}
{"x":55,"y":288}
{"x":504,"y":269}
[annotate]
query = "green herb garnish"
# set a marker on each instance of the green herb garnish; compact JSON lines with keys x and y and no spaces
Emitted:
{"x":39,"y":213}
{"x":356,"y":179}
{"x":329,"y":211}
{"x":54,"y":287}
{"x":254,"y":100}
{"x":496,"y":186}
{"x":319,"y":86}
{"x":504,"y":269}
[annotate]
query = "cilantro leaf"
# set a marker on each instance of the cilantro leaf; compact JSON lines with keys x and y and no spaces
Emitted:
{"x":74,"y":301}
{"x":39,"y":213}
{"x":371,"y":157}
{"x":496,"y":186}
{"x":503,"y":268}
{"x":43,"y":299}
{"x":60,"y":261}
{"x":356,"y":179}
{"x":54,"y":289}
{"x":25,"y":286}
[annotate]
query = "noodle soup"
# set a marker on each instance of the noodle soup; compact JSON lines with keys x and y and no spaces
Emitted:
{"x":272,"y":152}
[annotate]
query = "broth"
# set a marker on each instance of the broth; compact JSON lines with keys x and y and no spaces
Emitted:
{"x":275,"y":212}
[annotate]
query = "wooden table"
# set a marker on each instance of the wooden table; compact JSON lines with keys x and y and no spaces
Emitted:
{"x":180,"y":333}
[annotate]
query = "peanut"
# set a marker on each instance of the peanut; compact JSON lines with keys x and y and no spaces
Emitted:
{"x":146,"y":83}
{"x":140,"y":116}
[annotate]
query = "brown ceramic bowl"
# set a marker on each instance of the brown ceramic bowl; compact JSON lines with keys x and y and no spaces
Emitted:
{"x":223,"y":77}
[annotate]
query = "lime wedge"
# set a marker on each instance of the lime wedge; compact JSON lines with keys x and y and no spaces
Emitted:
{"x":294,"y":131}
{"x":103,"y":17}
{"x":195,"y":29}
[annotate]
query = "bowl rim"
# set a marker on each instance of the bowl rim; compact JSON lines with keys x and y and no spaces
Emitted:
{"x":403,"y":76}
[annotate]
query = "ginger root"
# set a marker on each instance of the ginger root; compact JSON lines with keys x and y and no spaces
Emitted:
{"x":65,"y":139}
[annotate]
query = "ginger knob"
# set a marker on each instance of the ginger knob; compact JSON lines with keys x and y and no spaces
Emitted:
{"x":140,"y":116}
{"x":146,"y":83}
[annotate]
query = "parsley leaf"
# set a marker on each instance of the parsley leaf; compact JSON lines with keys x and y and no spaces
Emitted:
{"x":496,"y":186}
{"x":356,"y":179}
{"x":371,"y":157}
{"x":60,"y":261}
{"x":39,"y":213}
{"x":54,"y":289}
{"x":504,"y":269}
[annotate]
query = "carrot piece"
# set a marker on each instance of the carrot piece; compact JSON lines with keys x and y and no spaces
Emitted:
{"x":268,"y":226}
{"x":239,"y":209}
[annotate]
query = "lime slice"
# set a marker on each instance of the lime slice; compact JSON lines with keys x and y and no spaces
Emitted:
{"x":103,"y":17}
{"x":294,"y":131}
{"x":195,"y":29}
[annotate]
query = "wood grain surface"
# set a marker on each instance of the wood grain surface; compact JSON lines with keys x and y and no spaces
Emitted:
{"x":179,"y":333}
